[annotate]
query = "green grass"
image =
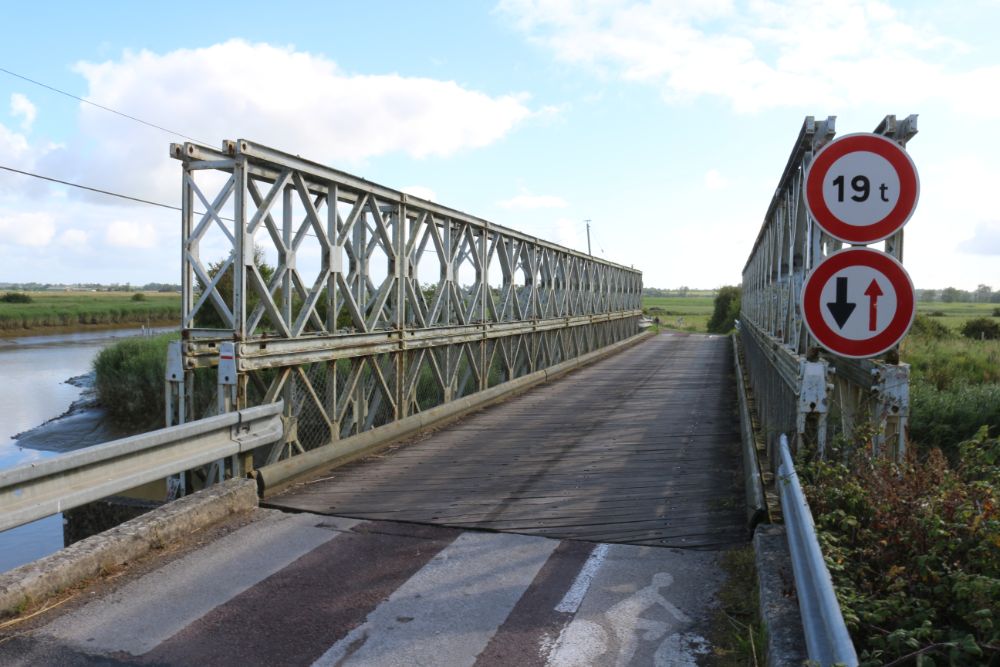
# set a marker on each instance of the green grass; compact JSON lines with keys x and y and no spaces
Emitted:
{"x":677,"y":313}
{"x":129,"y":380}
{"x":954,"y":315}
{"x":76,"y":309}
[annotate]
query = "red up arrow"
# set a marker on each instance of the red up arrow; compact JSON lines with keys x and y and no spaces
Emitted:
{"x":873,"y":293}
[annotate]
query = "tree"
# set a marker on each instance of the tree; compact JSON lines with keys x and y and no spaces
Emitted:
{"x":208,"y":317}
{"x":726,"y":311}
{"x":928,"y":294}
{"x":949,"y":295}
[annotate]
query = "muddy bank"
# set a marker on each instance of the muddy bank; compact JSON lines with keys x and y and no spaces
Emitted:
{"x":85,"y":423}
{"x":167,"y":324}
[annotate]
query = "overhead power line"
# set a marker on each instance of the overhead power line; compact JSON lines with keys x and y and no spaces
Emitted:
{"x":101,"y":106}
{"x":87,"y":187}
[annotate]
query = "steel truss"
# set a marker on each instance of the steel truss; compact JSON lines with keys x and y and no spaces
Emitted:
{"x":359,"y":342}
{"x":800,"y":389}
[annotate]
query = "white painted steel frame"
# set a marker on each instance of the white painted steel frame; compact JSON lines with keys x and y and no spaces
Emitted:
{"x":505,"y":304}
{"x":797,"y":385}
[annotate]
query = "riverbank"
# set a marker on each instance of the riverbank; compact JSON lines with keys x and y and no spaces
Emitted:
{"x":59,"y":312}
{"x":83,"y":424}
{"x":58,"y":330}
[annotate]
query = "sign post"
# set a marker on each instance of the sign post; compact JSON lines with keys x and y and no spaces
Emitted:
{"x":861,"y":188}
{"x":858,"y":302}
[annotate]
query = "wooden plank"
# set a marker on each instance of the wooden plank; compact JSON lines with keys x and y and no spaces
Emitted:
{"x":640,"y":448}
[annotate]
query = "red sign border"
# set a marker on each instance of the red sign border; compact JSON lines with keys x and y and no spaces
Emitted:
{"x":811,"y":302}
{"x":909,"y":187}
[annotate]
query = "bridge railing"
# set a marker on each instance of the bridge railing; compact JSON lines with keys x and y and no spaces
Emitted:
{"x":827,"y":639}
{"x":359,"y":305}
{"x":798,"y":388}
{"x":36,"y":490}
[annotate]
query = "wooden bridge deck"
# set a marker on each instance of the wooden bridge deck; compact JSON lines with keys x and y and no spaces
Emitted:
{"x":640,"y":448}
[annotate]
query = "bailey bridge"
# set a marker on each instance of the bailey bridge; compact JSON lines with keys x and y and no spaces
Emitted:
{"x":424,"y":438}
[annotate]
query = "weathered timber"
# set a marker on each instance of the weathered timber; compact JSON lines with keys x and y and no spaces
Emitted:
{"x":640,"y":448}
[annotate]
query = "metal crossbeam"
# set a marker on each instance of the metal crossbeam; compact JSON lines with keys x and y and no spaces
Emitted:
{"x":380,"y":305}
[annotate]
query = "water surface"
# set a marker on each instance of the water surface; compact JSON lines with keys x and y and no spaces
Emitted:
{"x":33,"y":391}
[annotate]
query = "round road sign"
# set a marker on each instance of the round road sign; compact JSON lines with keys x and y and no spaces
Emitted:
{"x":861,"y":188}
{"x":858,"y":302}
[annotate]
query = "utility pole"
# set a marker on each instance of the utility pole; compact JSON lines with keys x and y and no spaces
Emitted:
{"x":588,"y":237}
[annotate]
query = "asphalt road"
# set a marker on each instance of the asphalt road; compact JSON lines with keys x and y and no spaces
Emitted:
{"x":306,"y":589}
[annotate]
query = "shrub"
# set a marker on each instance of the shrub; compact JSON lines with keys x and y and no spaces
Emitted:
{"x":16,"y":297}
{"x":129,"y":380}
{"x":937,"y":313}
{"x":981,"y":328}
{"x":912,"y":549}
{"x":925,"y":327}
{"x":138,"y":296}
{"x":996,"y":312}
{"x":942,"y":417}
{"x":726,"y":311}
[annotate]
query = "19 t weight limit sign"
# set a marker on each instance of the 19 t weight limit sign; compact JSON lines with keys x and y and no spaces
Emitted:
{"x":862,"y":188}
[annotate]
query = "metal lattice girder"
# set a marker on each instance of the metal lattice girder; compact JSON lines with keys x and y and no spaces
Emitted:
{"x":413,"y":303}
{"x":790,"y":244}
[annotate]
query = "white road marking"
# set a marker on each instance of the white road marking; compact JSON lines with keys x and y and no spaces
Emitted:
{"x":574,"y":596}
{"x":448,"y":611}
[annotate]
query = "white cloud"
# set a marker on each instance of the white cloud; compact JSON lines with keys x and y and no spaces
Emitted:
{"x":420,"y":191}
{"x":74,"y":238}
{"x":13,"y":146}
{"x":761,"y":54}
{"x":298,"y":102}
{"x":528,"y":202}
{"x":130,"y":234}
{"x":985,"y":241}
{"x":22,"y":106}
{"x":27,"y":229}
{"x":715,"y":181}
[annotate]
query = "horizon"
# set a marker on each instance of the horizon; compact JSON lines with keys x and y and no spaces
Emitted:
{"x":664,"y":126}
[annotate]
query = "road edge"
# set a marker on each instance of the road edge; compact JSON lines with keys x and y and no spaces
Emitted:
{"x":30,"y":584}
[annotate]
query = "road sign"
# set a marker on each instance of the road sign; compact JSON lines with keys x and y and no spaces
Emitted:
{"x":858,"y":302}
{"x":862,"y":188}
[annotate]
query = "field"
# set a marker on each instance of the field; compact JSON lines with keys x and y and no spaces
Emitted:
{"x":74,"y":310}
{"x":954,"y":315}
{"x":680,"y":313}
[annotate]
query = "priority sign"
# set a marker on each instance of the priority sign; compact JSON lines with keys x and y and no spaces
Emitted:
{"x":858,"y":302}
{"x":861,"y":188}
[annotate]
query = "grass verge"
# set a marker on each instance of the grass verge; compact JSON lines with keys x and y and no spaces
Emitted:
{"x":739,"y":637}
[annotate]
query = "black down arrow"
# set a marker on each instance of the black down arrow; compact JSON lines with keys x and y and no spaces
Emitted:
{"x":841,"y":309}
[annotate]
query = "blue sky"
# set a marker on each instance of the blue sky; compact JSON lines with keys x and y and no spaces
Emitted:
{"x":667,"y":124}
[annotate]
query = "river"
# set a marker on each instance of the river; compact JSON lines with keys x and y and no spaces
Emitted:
{"x":33,"y":391}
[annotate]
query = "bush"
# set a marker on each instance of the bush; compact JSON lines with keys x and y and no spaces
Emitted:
{"x":996,"y":312}
{"x":16,"y":297}
{"x":912,"y":549}
{"x":925,"y":327}
{"x":129,"y":380}
{"x":942,"y":417}
{"x":981,"y":328}
{"x":138,"y":296}
{"x":726,"y":311}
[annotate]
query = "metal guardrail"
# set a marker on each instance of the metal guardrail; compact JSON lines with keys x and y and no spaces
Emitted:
{"x":756,"y":504}
{"x":827,"y":639}
{"x":35,"y":490}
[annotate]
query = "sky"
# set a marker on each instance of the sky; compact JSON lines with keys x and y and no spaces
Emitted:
{"x":665,"y":123}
